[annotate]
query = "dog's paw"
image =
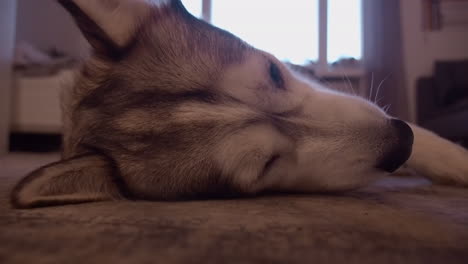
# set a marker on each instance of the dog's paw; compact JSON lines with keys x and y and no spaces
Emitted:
{"x":438,"y":159}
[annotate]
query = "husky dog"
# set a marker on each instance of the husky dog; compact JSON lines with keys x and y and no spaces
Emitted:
{"x":170,"y":107}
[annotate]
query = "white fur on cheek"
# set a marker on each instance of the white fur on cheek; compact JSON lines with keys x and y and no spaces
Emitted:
{"x":243,"y":155}
{"x":325,"y":164}
{"x":340,"y":147}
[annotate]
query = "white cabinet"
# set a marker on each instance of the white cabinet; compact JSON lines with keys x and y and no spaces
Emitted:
{"x":36,"y":102}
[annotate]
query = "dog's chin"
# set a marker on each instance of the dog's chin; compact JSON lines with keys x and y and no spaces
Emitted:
{"x":332,"y":181}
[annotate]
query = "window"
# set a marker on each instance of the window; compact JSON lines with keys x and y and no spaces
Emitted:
{"x":344,"y":30}
{"x":272,"y":26}
{"x":194,"y":7}
{"x":299,"y":31}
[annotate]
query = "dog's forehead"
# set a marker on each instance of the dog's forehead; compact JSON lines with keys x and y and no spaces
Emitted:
{"x":179,"y":57}
{"x":174,"y":38}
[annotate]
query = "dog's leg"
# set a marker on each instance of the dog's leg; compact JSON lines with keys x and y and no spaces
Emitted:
{"x":438,"y":159}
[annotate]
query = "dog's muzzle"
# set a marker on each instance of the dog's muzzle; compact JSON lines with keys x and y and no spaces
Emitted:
{"x":398,"y":149}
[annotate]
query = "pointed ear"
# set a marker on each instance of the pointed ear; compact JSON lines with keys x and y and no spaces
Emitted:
{"x":109,"y":25}
{"x":81,"y":179}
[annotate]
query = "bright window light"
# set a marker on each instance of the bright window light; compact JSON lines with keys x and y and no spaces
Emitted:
{"x":287,"y":29}
{"x":194,"y":7}
{"x":344,"y":29}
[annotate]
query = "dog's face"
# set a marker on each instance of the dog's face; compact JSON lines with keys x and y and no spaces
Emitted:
{"x":180,"y":109}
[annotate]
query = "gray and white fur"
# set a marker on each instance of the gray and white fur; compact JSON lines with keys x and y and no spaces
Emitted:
{"x":169,"y":107}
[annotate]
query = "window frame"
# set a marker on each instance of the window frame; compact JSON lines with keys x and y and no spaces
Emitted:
{"x":322,"y":67}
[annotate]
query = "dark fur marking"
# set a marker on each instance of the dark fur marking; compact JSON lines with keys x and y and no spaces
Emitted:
{"x":269,"y":164}
{"x":175,"y":138}
{"x":116,"y":176}
{"x":116,"y":95}
{"x":98,"y":39}
{"x":276,"y":76}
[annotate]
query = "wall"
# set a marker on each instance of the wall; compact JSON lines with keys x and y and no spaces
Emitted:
{"x":421,"y":49}
{"x":46,"y":24}
{"x":7,"y":33}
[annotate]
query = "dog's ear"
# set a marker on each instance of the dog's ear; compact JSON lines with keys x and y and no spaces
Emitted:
{"x":77,"y":180}
{"x":109,"y":25}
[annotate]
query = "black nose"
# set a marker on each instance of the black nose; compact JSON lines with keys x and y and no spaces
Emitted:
{"x":398,"y":146}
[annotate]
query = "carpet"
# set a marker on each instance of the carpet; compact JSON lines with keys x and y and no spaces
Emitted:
{"x":396,"y":220}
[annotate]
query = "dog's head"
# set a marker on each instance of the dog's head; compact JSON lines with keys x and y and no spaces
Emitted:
{"x":170,"y":107}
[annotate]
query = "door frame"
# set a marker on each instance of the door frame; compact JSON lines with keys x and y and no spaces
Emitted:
{"x":7,"y":43}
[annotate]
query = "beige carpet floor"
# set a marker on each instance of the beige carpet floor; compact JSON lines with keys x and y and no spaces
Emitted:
{"x":397,"y":220}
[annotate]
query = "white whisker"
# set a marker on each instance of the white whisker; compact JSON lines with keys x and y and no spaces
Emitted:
{"x":380,"y":85}
{"x":386,"y":108}
{"x":350,"y":84}
{"x":371,"y":87}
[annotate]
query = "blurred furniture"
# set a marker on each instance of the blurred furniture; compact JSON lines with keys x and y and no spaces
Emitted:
{"x":36,"y":102}
{"x":443,"y":14}
{"x":443,"y":100}
{"x":7,"y":40}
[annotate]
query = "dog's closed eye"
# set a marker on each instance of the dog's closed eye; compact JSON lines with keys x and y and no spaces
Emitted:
{"x":276,"y":76}
{"x":269,"y":164}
